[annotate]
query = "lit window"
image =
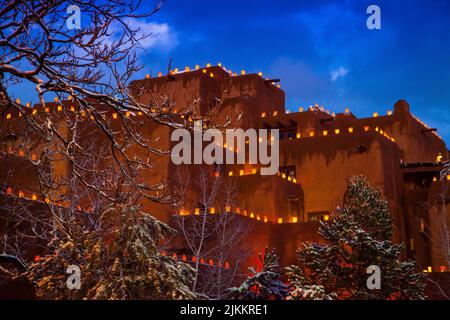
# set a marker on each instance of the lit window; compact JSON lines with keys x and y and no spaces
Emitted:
{"x":336,"y":131}
{"x":375,"y":114}
{"x":212,"y":210}
{"x":230,"y":173}
{"x":280,"y":220}
{"x":366,"y":128}
{"x":350,"y":130}
{"x":294,"y":220}
{"x":325,"y":132}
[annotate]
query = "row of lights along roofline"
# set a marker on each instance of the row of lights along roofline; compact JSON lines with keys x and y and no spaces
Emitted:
{"x":60,"y":108}
{"x":347,"y":112}
{"x":33,"y":196}
{"x":197,"y":67}
{"x":183,"y":258}
{"x":243,"y":172}
{"x":193,"y":259}
{"x":243,"y":212}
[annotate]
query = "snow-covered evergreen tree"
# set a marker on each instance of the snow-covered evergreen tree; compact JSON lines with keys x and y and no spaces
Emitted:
{"x":263,"y":285}
{"x":118,"y":260}
{"x":357,"y":236}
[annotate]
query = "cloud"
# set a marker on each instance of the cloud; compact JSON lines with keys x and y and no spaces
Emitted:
{"x":340,"y":72}
{"x":157,"y":35}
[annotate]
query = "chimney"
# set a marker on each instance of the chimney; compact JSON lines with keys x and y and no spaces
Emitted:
{"x":401,"y":106}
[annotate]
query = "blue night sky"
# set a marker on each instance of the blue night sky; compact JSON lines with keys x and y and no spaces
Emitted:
{"x":321,"y":50}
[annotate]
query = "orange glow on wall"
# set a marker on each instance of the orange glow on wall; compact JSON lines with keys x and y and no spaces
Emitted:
{"x":265,"y":219}
{"x":227,"y":265}
{"x":366,"y":128}
{"x":254,"y":171}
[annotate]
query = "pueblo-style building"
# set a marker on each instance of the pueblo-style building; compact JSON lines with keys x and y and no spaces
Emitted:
{"x":319,"y":151}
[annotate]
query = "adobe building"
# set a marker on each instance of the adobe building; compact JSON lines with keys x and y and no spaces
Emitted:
{"x":319,"y":151}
